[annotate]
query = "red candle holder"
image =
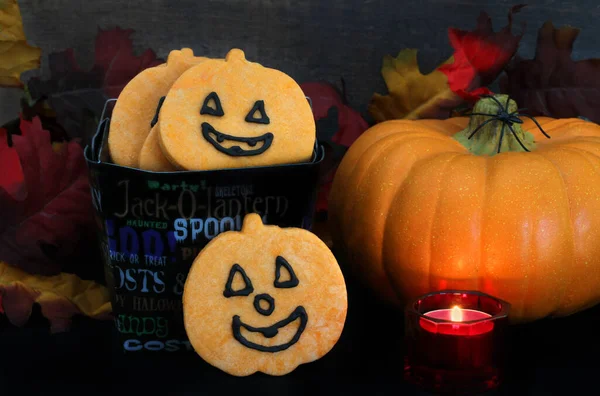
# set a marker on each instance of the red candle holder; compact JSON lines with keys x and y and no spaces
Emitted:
{"x":455,"y":341}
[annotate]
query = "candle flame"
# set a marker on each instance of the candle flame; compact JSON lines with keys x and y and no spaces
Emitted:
{"x":456,"y":315}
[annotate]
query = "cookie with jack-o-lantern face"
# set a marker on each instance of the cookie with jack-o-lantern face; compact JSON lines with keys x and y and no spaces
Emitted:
{"x":264,"y":299}
{"x":232,"y":113}
{"x":152,"y":157}
{"x":131,"y":120}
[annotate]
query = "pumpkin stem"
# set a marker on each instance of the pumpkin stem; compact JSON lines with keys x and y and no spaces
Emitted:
{"x":495,"y":127}
{"x":252,"y":223}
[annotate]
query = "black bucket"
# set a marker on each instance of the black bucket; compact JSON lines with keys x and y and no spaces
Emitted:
{"x":152,"y":225}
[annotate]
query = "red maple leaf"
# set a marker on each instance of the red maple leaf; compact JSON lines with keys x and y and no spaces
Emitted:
{"x":338,"y":126}
{"x":46,"y":208}
{"x":114,"y":55}
{"x":77,"y":96}
{"x":480,"y":55}
{"x":11,"y":174}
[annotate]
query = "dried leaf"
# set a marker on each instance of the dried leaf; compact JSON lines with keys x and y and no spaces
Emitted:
{"x":60,"y":297}
{"x":11,"y":176}
{"x":338,"y":126}
{"x":77,"y":96}
{"x":412,"y":95}
{"x":49,"y":213}
{"x":16,"y":55}
{"x":480,"y":56}
{"x":115,"y":57}
{"x":553,"y":84}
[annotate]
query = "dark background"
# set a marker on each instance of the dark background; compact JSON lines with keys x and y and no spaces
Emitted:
{"x":548,"y":357}
{"x":308,"y":39}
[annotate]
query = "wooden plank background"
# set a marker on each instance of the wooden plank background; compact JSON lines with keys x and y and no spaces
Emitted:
{"x":308,"y":39}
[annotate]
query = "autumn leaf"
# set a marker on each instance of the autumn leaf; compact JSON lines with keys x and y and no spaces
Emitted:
{"x":338,"y":126}
{"x":552,"y":83}
{"x":60,"y":297}
{"x":78,"y":96}
{"x":16,"y":55}
{"x":115,"y":57}
{"x":11,"y":176}
{"x":47,"y":215}
{"x":479,"y":56}
{"x":412,"y":95}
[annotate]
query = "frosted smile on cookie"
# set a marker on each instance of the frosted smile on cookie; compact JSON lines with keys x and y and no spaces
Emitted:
{"x":271,"y":331}
{"x":219,"y":140}
{"x":216,"y":138}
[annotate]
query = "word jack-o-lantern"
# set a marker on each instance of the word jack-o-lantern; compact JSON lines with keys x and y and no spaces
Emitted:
{"x":488,"y":203}
{"x":232,"y":113}
{"x":264,"y":299}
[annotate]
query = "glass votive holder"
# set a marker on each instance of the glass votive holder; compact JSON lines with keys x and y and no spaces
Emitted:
{"x":455,"y":341}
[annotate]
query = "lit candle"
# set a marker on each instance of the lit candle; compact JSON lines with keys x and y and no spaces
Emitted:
{"x":454,"y":340}
{"x":457,"y":321}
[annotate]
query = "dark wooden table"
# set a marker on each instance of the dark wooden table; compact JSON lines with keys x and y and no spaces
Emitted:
{"x":549,"y":357}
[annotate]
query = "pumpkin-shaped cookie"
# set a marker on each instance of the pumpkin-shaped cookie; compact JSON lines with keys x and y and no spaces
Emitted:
{"x":152,"y":157}
{"x":232,"y":113}
{"x":264,"y":299}
{"x":136,"y":106}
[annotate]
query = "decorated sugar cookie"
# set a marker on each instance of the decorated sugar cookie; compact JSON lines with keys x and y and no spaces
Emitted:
{"x":137,"y":104}
{"x":264,"y":299}
{"x":232,"y":113}
{"x":152,"y":157}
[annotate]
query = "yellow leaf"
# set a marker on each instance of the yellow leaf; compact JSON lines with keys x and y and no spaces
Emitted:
{"x":412,"y":95}
{"x":16,"y":56}
{"x":60,"y":297}
{"x":57,"y":147}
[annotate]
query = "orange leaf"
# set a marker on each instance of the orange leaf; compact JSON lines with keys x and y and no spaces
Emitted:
{"x":412,"y":95}
{"x":60,"y":297}
{"x":16,"y":55}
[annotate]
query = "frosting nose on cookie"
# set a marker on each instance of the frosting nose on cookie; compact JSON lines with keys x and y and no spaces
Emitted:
{"x":262,"y":300}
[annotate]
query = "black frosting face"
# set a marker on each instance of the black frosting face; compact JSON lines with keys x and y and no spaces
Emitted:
{"x":265,"y":305}
{"x":212,"y":106}
{"x":271,"y":331}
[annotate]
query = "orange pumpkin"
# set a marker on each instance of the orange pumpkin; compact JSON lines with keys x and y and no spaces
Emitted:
{"x":419,"y":206}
